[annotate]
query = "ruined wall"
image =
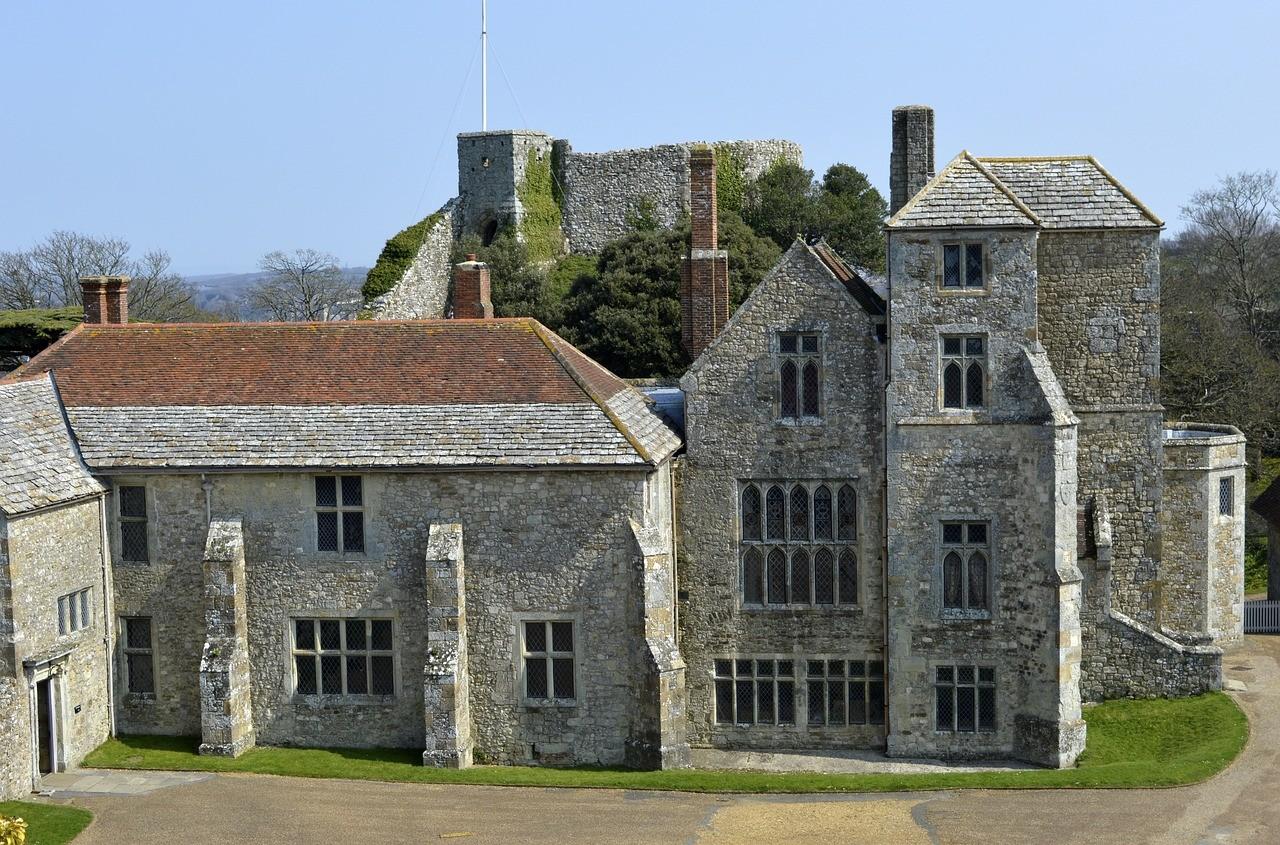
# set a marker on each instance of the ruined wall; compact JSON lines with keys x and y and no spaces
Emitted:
{"x":574,"y":556}
{"x":491,"y":167}
{"x":734,"y":435}
{"x":602,"y":190}
{"x":52,"y":553}
{"x":1202,"y":567}
{"x":423,"y":292}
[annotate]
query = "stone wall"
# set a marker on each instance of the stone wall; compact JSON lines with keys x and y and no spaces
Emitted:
{"x":226,"y":710}
{"x":491,"y":167}
{"x":52,"y":553}
{"x":424,"y":291}
{"x":1202,"y":567}
{"x":602,"y":190}
{"x":734,"y":434}
{"x":446,"y":680}
{"x":555,"y":543}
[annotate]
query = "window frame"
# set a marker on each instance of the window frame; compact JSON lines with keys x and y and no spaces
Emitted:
{"x":130,"y":651}
{"x":866,"y":681}
{"x":340,"y":509}
{"x":75,"y":611}
{"x":964,"y":360}
{"x":801,"y":361}
{"x":964,"y":247}
{"x":122,"y":520}
{"x":1226,"y":497}
{"x":521,"y":653}
{"x":734,"y":677}
{"x":769,"y":550}
{"x":343,"y":652}
{"x":955,"y":685}
{"x":965,"y":549}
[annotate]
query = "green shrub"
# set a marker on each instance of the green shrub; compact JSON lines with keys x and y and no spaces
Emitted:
{"x":29,"y":331}
{"x":396,"y":257}
{"x":541,"y":226}
{"x":731,"y":179}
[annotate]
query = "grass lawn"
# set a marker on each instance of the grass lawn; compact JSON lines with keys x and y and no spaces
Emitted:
{"x":47,"y":824}
{"x":1131,"y":744}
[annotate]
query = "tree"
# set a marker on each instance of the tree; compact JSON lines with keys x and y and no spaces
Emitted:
{"x":845,"y":209}
{"x":1233,"y":248}
{"x":305,"y":286}
{"x":626,"y":314}
{"x":517,"y":287}
{"x":48,"y":276}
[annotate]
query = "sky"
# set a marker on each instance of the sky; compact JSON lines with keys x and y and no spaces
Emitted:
{"x":222,"y":131}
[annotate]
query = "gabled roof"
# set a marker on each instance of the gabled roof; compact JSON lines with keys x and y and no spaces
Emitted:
{"x":965,"y":193}
{"x":855,"y":280}
{"x":359,"y":394}
{"x":39,"y":466}
{"x":1071,"y":192}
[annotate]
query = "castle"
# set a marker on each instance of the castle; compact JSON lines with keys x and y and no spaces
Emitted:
{"x":930,"y":513}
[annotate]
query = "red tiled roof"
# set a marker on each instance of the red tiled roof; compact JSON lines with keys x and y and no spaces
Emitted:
{"x":428,"y":362}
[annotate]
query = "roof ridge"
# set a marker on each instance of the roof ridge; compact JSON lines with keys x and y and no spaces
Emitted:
{"x":542,"y":333}
{"x":1071,"y":157}
{"x":1150,"y":215}
{"x":928,"y":186}
{"x":1001,"y":186}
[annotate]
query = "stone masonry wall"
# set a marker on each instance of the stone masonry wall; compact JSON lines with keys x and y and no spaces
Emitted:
{"x":52,"y":553}
{"x":226,"y":708}
{"x":538,"y":543}
{"x":423,"y":293}
{"x":491,"y":166}
{"x":734,"y":434}
{"x":15,"y":723}
{"x":602,"y":190}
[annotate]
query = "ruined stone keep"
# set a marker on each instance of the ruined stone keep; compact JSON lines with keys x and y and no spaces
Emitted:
{"x":930,"y":513}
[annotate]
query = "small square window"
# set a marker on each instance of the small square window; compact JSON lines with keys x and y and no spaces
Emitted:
{"x":963,"y":266}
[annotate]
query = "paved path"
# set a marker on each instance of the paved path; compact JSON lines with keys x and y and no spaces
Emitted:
{"x":86,"y":782}
{"x":1239,"y":806}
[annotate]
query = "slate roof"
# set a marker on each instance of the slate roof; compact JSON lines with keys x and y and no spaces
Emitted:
{"x":38,"y":462}
{"x":965,"y":193}
{"x":1050,"y":192}
{"x":429,"y":393}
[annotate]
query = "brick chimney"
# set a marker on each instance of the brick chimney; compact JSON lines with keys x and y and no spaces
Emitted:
{"x":471,"y":290}
{"x":911,"y":162}
{"x":704,"y":274}
{"x":106,"y":299}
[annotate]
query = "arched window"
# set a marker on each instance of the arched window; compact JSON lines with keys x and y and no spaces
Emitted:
{"x":777,"y":577}
{"x":973,"y":387}
{"x":847,"y":513}
{"x":811,"y":384}
{"x":978,"y":581}
{"x":848,"y":577}
{"x":775,"y":511}
{"x":824,"y":585}
{"x":787,"y":386}
{"x":952,"y":377}
{"x":822,"y":524}
{"x":751,"y":512}
{"x":952,"y":581}
{"x":799,"y":577}
{"x":752,"y":577}
{"x":799,"y":513}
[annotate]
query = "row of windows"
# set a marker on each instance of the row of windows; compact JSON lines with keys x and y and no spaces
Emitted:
{"x":798,"y":512}
{"x":800,"y":577}
{"x":75,"y":611}
{"x":839,"y":692}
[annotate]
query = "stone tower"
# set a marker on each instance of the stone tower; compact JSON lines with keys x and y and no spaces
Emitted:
{"x":704,"y":274}
{"x":911,"y":162}
{"x":491,"y":169}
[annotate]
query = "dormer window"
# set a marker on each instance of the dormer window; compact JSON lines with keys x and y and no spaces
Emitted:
{"x":799,"y":375}
{"x":963,"y":266}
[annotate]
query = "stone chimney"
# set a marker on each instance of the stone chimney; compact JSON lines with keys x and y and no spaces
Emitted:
{"x":704,"y":275}
{"x":471,"y":290}
{"x":106,"y":299}
{"x":911,"y":162}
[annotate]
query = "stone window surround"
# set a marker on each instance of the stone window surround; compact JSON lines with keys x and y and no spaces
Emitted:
{"x":117,"y":556}
{"x":290,"y":697}
{"x":965,"y":549}
{"x":939,"y":269}
{"x":993,"y":569}
{"x":1226,"y":494}
{"x":980,"y":737}
{"x":801,"y":693}
{"x":124,"y":650}
{"x":735,"y":675}
{"x":517,"y":660}
{"x":941,"y":359}
{"x":777,"y":356}
{"x":75,"y":612}
{"x":853,"y":544}
{"x":339,"y":508}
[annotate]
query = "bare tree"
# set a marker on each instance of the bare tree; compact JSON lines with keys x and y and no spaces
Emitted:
{"x":307,"y":285}
{"x":48,"y":276}
{"x":1233,"y":244}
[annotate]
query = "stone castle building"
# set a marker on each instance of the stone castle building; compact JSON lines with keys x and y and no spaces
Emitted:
{"x":930,"y":513}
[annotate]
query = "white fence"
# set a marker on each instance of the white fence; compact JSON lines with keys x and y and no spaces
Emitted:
{"x":1262,"y":617}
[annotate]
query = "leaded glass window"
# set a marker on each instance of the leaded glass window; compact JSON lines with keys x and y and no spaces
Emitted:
{"x":1226,"y":496}
{"x":845,"y":692}
{"x":339,"y":513}
{"x":344,"y":656}
{"x":751,"y":691}
{"x":799,"y":375}
{"x":548,"y":660}
{"x":966,"y":576}
{"x":964,"y":698}
{"x":963,"y":368}
{"x":963,"y":266}
{"x":132,"y":512}
{"x":139,"y":656}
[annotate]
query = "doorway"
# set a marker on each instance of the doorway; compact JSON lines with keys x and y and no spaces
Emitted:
{"x":46,"y":737}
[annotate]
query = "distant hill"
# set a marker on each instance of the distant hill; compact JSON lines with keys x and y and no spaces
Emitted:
{"x":225,"y":293}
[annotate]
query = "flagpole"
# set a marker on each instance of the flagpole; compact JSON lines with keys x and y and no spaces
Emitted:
{"x":484,"y":65}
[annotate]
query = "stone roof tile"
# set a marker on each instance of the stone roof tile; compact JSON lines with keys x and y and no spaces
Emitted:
{"x":1071,"y":192}
{"x":38,"y":462}
{"x":963,"y":194}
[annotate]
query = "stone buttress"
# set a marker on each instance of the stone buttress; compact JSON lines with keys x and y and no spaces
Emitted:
{"x":446,"y":684}
{"x":226,"y":712}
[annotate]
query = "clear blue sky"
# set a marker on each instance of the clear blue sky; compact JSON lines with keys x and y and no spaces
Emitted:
{"x":222,"y":130}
